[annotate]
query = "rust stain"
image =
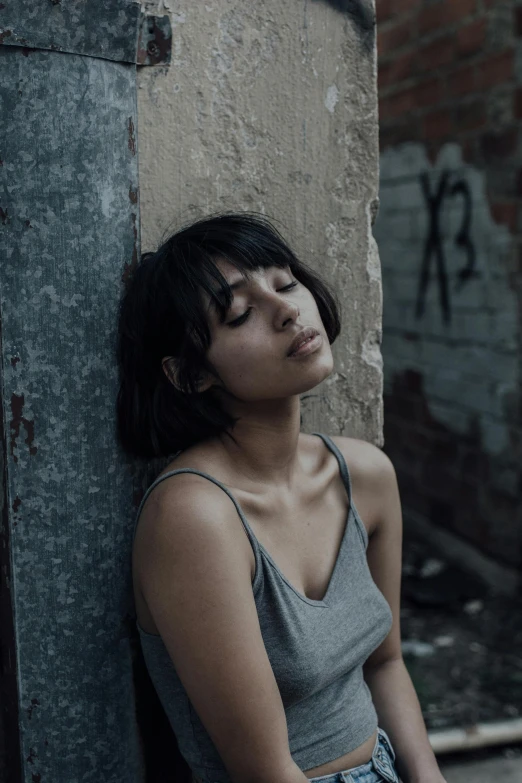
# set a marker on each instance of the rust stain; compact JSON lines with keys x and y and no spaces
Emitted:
{"x":133,"y":195}
{"x":17,"y":406}
{"x":16,"y":505}
{"x":32,"y":756}
{"x":132,"y":139}
{"x":14,"y":360}
{"x":4,"y":34}
{"x":27,"y":224}
{"x":36,"y":777}
{"x":2,"y":6}
{"x":26,"y":50}
{"x":34,"y":703}
{"x":128,"y":268}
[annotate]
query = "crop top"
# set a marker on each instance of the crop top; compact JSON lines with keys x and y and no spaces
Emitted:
{"x":316,"y":649}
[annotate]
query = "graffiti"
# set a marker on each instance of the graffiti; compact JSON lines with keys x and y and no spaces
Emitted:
{"x":434,"y":246}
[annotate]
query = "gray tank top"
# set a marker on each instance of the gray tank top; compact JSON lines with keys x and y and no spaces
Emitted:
{"x":316,"y":650}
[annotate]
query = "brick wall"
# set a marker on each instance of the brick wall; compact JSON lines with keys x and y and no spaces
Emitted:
{"x":450,"y":87}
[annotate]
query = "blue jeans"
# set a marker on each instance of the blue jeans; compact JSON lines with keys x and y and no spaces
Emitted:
{"x":381,"y":766}
{"x":380,"y":769}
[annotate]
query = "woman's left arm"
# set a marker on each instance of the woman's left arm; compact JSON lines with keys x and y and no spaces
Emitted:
{"x":385,"y":673}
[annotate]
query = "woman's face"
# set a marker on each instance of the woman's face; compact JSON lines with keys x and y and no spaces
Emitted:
{"x":249,"y":350}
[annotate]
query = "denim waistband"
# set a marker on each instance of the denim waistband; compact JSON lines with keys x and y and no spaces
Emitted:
{"x":381,"y":767}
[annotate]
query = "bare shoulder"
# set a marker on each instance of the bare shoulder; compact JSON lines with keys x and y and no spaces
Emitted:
{"x":372,"y":474}
{"x":365,"y":460}
{"x":186,"y":509}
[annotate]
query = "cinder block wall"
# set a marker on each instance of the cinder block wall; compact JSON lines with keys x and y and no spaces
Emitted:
{"x":450,"y":104}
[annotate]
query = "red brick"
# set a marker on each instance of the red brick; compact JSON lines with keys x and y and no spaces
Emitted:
{"x":505,"y":212}
{"x":442,"y":14}
{"x":384,"y":10}
{"x":429,"y":93}
{"x":401,"y":104}
{"x":519,"y":182}
{"x":438,"y":53}
{"x":402,"y":6}
{"x":517,"y":101}
{"x":470,"y":39}
{"x":437,"y":124}
{"x":391,"y":136}
{"x":470,"y":115}
{"x":496,"y":69}
{"x":462,"y":81}
{"x":398,"y":69}
{"x":495,"y":145}
{"x":392,"y":38}
{"x":518,"y":20}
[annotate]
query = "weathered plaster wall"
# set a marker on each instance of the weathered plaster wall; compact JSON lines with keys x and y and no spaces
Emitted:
{"x":271,"y":106}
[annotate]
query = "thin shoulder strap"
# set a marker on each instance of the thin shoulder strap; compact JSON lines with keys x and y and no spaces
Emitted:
{"x":239,"y":510}
{"x":345,"y":474}
{"x":343,"y":467}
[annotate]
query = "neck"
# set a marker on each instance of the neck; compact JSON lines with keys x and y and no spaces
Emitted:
{"x":266,"y":441}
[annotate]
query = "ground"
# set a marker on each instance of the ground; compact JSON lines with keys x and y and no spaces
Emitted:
{"x":462,"y":645}
{"x":463,"y":649}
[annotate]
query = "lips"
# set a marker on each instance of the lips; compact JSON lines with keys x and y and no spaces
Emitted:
{"x":302,"y":337}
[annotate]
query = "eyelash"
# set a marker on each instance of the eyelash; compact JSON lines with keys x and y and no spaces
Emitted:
{"x":243,"y":318}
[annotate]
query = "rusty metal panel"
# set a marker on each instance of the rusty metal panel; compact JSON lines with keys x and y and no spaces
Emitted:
{"x":69,"y":229}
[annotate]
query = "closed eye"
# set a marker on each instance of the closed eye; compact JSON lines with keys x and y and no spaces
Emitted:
{"x":242,"y":318}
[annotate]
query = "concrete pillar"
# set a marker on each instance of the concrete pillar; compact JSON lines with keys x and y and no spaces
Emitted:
{"x":272,"y":107}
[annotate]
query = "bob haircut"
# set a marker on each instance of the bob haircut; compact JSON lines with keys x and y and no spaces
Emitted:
{"x":162,"y":313}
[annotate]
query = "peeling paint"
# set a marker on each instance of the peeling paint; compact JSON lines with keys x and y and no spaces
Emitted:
{"x":332,"y":97}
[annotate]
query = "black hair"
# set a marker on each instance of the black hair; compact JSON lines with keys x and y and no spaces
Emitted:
{"x":162,"y":313}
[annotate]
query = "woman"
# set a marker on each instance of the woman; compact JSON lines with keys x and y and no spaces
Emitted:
{"x":266,"y":561}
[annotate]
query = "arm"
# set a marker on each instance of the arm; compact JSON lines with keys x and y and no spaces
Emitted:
{"x":194,"y":572}
{"x":385,"y":673}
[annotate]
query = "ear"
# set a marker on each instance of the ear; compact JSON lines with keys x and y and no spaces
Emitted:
{"x":171,"y":367}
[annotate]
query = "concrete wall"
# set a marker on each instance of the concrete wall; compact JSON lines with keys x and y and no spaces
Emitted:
{"x":271,"y":106}
{"x":449,"y":238}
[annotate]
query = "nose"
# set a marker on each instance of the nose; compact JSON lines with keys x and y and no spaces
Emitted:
{"x":287,"y":313}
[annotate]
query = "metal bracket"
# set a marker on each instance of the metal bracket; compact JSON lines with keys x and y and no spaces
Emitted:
{"x":154,"y":40}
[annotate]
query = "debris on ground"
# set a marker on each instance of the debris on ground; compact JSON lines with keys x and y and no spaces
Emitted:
{"x":461,"y":644}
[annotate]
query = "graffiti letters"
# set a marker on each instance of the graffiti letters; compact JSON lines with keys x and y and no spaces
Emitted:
{"x":434,"y":247}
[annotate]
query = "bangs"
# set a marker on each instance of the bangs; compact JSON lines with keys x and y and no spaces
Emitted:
{"x":249,"y":244}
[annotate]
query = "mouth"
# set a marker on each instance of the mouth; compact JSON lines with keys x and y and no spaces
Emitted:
{"x":305,"y":342}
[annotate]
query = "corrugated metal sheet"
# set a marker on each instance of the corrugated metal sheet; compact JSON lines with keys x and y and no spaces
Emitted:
{"x":69,"y":220}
